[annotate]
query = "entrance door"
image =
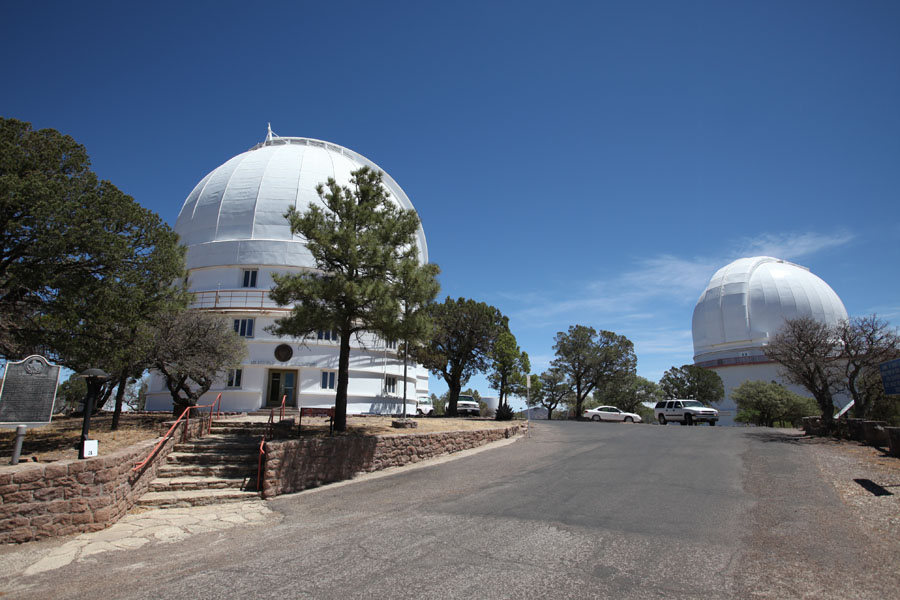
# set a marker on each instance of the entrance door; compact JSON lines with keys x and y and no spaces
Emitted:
{"x":281,"y":384}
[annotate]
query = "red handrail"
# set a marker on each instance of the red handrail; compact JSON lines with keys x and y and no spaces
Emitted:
{"x":262,"y":442}
{"x":167,"y":437}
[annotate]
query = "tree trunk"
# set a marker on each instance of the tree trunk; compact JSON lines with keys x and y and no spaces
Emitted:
{"x":549,"y":414}
{"x":340,"y":397}
{"x":454,"y":387}
{"x":120,"y":397}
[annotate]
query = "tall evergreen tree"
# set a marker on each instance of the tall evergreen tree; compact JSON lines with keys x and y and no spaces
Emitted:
{"x":360,"y":241}
{"x":510,"y":367}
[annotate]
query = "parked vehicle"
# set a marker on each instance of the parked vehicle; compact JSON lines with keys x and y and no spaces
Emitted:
{"x":686,"y":412}
{"x":467,"y":405}
{"x":611,"y":413}
{"x":424,"y":407}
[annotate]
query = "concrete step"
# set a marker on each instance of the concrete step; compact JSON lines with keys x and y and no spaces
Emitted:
{"x":220,"y":471}
{"x":212,"y":458}
{"x":171,"y":484}
{"x":217,"y":443}
{"x":185,"y":498}
{"x":248,"y":429}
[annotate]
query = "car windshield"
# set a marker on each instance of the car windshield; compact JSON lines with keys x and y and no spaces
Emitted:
{"x":692,"y":404}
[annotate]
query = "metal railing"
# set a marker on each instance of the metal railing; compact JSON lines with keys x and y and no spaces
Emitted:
{"x":186,"y":416}
{"x":235,"y":300}
{"x":262,"y":443}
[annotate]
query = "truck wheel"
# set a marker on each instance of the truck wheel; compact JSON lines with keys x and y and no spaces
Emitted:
{"x":688,"y":420}
{"x":662,"y":419}
{"x":712,"y":423}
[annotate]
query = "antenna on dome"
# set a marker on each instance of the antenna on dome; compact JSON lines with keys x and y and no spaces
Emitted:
{"x":271,"y":134}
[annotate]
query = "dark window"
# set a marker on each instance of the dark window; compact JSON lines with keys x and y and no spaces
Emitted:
{"x":234,"y":378}
{"x":328,"y":335}
{"x":327,"y":380}
{"x":244,"y":327}
{"x":390,"y":385}
{"x":250,"y":278}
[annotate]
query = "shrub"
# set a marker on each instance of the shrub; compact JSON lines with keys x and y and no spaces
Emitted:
{"x":504,"y":413}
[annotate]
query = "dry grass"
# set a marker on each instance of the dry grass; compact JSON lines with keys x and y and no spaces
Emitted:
{"x":59,"y":440}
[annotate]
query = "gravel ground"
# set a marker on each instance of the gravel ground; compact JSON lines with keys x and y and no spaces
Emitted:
{"x":836,"y":539}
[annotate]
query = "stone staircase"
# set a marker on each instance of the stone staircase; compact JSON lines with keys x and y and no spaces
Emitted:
{"x":220,"y":467}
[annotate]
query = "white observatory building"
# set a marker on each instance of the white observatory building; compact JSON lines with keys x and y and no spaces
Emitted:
{"x":744,"y":305}
{"x":236,"y":235}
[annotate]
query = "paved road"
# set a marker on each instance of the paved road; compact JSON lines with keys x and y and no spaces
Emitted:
{"x":577,"y":510}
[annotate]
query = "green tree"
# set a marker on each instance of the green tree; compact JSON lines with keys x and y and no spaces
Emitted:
{"x":83,"y":267}
{"x":70,"y":393}
{"x":360,"y":241}
{"x":628,"y":393}
{"x":550,"y":391}
{"x":510,"y":367}
{"x":191,"y":349}
{"x":767,"y":403}
{"x":809,"y":353}
{"x":589,"y":359}
{"x":461,"y":342}
{"x":691,"y":381}
{"x":439,"y":403}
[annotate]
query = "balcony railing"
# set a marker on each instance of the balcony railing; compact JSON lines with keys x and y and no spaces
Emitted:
{"x":235,"y":300}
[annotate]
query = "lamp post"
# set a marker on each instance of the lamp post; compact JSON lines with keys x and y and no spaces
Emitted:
{"x":94,"y":379}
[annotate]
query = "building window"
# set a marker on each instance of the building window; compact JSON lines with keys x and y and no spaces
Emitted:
{"x":250,"y":278}
{"x":244,"y":327}
{"x":391,"y":345}
{"x":390,"y":385}
{"x":328,"y":380}
{"x":234,"y":378}
{"x":328,"y":335}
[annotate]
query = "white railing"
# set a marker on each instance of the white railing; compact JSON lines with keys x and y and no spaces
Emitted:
{"x":235,"y":300}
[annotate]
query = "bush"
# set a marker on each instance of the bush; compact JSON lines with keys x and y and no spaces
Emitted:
{"x":504,"y":413}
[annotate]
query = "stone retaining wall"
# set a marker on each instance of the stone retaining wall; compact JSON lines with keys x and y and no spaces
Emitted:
{"x":294,"y":465}
{"x":39,"y":500}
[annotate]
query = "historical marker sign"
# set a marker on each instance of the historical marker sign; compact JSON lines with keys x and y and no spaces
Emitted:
{"x":890,"y":377}
{"x":29,"y":391}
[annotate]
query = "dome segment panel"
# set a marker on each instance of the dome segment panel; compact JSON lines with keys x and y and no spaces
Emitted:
{"x":241,"y":198}
{"x":277,"y":193}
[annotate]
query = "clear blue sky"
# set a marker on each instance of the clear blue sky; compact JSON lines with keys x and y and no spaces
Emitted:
{"x":572,"y":163}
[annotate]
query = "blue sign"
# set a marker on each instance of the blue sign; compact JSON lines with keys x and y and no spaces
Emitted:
{"x":890,"y":377}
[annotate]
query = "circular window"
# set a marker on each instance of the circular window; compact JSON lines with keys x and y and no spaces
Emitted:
{"x":283,"y":353}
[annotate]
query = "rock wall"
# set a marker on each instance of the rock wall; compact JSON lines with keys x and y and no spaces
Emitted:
{"x":294,"y":465}
{"x":39,"y":500}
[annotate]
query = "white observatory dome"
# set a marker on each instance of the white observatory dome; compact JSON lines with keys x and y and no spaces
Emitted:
{"x":235,"y":215}
{"x":747,"y":302}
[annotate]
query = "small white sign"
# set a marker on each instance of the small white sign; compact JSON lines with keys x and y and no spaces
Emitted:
{"x":90,"y":448}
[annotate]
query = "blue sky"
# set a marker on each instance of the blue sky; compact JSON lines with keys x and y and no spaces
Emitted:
{"x":572,"y":163}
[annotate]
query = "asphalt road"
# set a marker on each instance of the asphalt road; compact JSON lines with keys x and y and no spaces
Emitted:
{"x":576,"y":510}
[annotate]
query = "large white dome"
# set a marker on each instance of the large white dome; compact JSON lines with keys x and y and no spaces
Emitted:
{"x":747,"y":302}
{"x":235,"y":215}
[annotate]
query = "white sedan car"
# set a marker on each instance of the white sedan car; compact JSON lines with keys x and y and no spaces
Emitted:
{"x":611,"y":413}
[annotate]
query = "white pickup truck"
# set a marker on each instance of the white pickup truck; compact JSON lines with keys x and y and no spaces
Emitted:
{"x":467,"y":405}
{"x":686,"y":412}
{"x":424,"y":407}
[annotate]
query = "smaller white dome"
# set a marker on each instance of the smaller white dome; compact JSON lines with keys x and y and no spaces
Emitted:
{"x":747,"y":302}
